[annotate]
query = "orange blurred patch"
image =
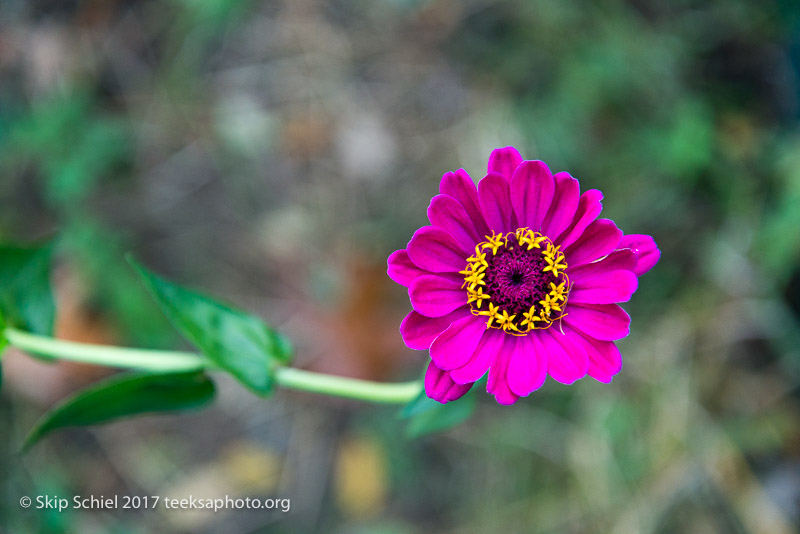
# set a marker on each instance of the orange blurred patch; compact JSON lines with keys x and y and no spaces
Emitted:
{"x":359,"y":336}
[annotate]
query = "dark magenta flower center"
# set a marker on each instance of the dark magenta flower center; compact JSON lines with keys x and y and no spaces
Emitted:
{"x":517,"y":281}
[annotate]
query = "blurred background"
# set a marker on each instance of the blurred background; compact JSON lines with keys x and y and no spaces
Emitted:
{"x":274,"y":154}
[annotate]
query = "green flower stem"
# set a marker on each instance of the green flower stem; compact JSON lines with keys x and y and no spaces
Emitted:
{"x":177,"y":361}
{"x":123,"y":357}
{"x":350,"y":388}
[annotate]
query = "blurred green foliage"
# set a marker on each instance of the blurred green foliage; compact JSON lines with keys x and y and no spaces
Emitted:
{"x":26,"y":300}
{"x":123,"y":396}
{"x":232,"y":340}
{"x":427,"y":416}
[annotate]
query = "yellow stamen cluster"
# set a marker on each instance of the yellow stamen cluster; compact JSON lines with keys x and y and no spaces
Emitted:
{"x":530,"y":239}
{"x":554,"y":259}
{"x":542,"y":314}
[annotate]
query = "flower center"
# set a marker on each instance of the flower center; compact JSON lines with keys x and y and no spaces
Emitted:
{"x":521,"y":276}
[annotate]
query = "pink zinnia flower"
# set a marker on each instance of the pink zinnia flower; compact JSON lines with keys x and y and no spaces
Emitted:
{"x":519,"y":278}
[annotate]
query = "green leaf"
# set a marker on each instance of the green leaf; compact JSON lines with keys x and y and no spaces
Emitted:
{"x":3,"y":340}
{"x":125,"y":395}
{"x":3,"y":345}
{"x":26,"y":300}
{"x":428,"y":416}
{"x":421,"y":403}
{"x":235,"y":341}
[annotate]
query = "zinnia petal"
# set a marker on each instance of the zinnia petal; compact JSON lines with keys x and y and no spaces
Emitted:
{"x":497,"y":384}
{"x":527,"y":364}
{"x":419,"y":331}
{"x":493,"y":194}
{"x":599,"y":239}
{"x":461,"y":187}
{"x":454,"y":347}
{"x":440,"y":387}
{"x":532,"y":190}
{"x":623,"y":259}
{"x":401,"y":269}
{"x":490,"y":345}
{"x":566,"y":360}
{"x":503,"y":161}
{"x":449,"y":215}
{"x":605,"y":322}
{"x":432,"y":249}
{"x":589,"y":207}
{"x":435,"y":296}
{"x":604,"y":288}
{"x":562,"y":209}
{"x":645,"y":248}
{"x":605,"y":360}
